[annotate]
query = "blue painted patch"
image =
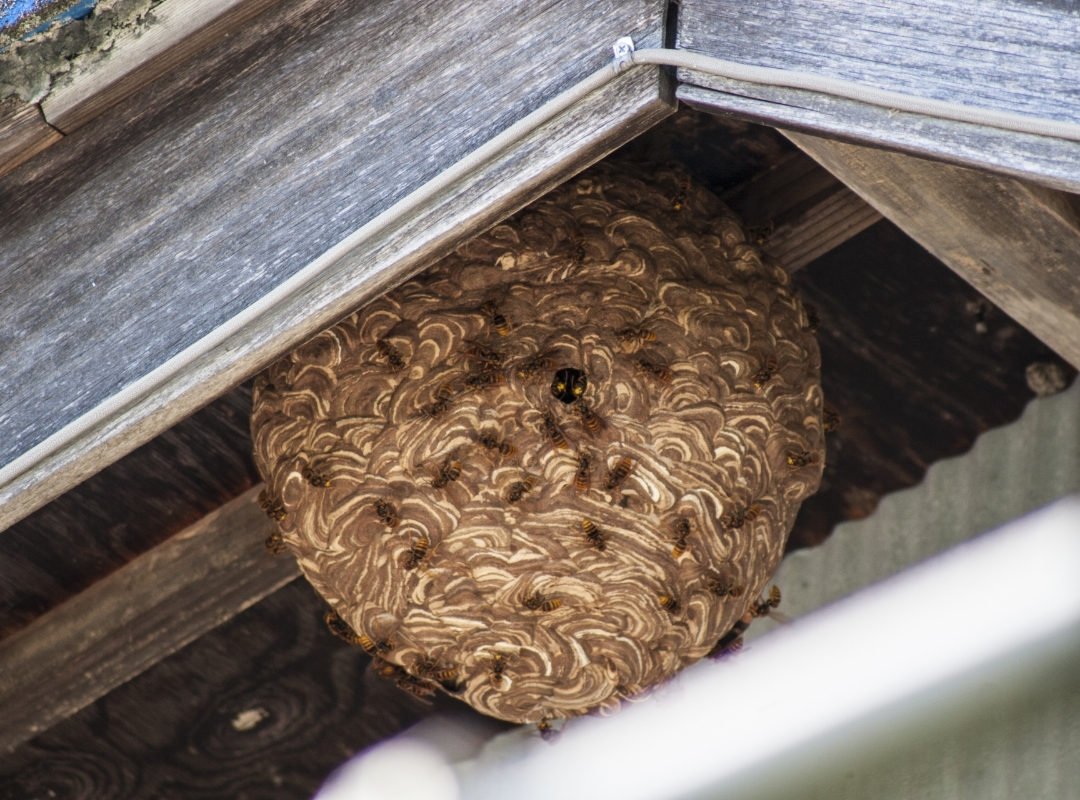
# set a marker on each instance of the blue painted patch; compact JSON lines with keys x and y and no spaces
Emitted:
{"x":11,"y":11}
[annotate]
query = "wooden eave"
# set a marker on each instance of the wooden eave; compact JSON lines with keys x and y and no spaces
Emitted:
{"x":247,"y":164}
{"x":177,"y":206}
{"x":185,"y":203}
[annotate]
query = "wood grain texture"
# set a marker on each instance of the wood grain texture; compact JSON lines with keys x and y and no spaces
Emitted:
{"x":177,"y":732}
{"x":252,"y":159}
{"x":801,"y":210}
{"x":1010,"y":55}
{"x":140,"y":614}
{"x":23,"y":133}
{"x":179,"y":30}
{"x":822,"y":227}
{"x":129,"y":507}
{"x":1013,"y":55}
{"x":788,"y":187}
{"x":916,"y":362}
{"x":1017,"y":243}
{"x":905,"y":361}
{"x":1051,"y":162}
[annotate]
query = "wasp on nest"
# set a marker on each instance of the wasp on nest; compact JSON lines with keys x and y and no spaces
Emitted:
{"x":522,"y":415}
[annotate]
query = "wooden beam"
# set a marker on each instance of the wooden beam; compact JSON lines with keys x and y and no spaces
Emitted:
{"x":802,"y":210}
{"x":1017,"y":243}
{"x":127,"y":509}
{"x":267,"y":705}
{"x":251,"y":160}
{"x":874,"y":349}
{"x":1011,"y":55}
{"x":140,"y":614}
{"x":179,"y":30}
{"x":23,"y":133}
{"x":826,"y":225}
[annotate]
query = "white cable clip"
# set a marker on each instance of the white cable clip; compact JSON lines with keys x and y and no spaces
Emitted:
{"x":624,"y":53}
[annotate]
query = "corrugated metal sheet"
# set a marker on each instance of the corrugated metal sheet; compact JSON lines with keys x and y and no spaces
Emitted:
{"x":1012,"y":737}
{"x":1019,"y":743}
{"x":1022,"y":745}
{"x":1011,"y":470}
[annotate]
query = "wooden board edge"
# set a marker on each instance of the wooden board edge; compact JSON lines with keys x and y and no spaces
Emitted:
{"x":131,"y":620}
{"x":1017,"y":243}
{"x":822,"y":228}
{"x":1051,"y":162}
{"x":182,"y":29}
{"x":568,"y":144}
{"x":23,"y":133}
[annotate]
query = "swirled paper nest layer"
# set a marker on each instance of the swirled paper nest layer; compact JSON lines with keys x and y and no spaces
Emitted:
{"x":431,"y":482}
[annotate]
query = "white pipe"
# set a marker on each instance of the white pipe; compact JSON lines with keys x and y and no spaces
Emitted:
{"x":853,"y":666}
{"x":481,"y":156}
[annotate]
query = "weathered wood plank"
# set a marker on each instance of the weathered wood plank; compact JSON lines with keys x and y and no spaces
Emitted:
{"x":23,"y":133}
{"x":130,"y":507}
{"x":1000,"y":54}
{"x":140,"y":614}
{"x":254,"y":158}
{"x":915,"y":361}
{"x":1017,"y":243}
{"x":801,"y":209}
{"x":821,"y":228}
{"x":1051,"y":162}
{"x":180,"y":29}
{"x":790,"y":185}
{"x":1013,"y":55}
{"x":265,"y":706}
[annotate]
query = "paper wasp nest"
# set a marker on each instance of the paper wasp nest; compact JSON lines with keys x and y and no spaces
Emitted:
{"x":558,"y":466}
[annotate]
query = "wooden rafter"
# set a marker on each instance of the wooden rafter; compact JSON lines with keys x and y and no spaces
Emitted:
{"x":245,"y":164}
{"x":23,"y":133}
{"x":1008,"y":55}
{"x":140,"y":614}
{"x":800,"y":210}
{"x":1017,"y":243}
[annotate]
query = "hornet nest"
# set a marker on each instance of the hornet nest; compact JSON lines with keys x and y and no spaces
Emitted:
{"x":561,"y":464}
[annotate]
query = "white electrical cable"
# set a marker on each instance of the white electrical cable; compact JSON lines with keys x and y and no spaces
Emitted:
{"x":152,"y":380}
{"x":837,"y":87}
{"x":626,"y":59}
